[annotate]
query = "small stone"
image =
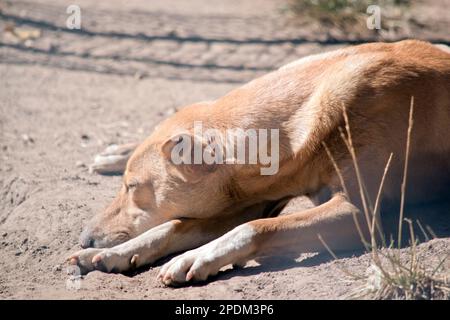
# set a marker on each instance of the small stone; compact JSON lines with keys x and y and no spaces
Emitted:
{"x":138,"y":75}
{"x":80,"y":164}
{"x":171,"y":111}
{"x":4,"y":234}
{"x":28,"y":43}
{"x":57,"y":268}
{"x":26,"y":138}
{"x":18,"y":253}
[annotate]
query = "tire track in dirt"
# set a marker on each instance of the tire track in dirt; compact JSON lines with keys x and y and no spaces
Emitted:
{"x":156,"y":44}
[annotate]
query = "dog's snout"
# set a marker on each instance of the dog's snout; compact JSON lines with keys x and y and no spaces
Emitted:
{"x":86,"y":239}
{"x":87,"y":243}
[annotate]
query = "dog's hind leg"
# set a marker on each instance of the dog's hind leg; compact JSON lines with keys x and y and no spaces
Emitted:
{"x":170,"y":237}
{"x":113,"y":159}
{"x":297,"y":232}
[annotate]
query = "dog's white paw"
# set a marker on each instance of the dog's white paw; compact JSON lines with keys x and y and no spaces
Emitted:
{"x":106,"y":260}
{"x":83,"y":259}
{"x":234,"y":247}
{"x":194,"y":265}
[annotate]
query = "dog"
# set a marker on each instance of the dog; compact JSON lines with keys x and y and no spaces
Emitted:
{"x":222,"y":214}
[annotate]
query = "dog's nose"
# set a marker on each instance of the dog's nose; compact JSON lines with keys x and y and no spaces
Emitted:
{"x":87,"y":243}
{"x":86,"y":240}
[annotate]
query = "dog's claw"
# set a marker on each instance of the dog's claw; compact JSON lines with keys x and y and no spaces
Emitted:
{"x":167,"y":280}
{"x":134,"y":260}
{"x":100,"y":265}
{"x":96,"y":259}
{"x":190,"y":275}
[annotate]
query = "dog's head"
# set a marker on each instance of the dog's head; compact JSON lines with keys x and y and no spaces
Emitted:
{"x":155,"y":189}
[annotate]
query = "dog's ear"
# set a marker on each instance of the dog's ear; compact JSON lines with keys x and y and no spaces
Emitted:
{"x":185,"y":153}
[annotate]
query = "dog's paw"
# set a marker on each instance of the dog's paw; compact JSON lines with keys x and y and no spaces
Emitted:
{"x":106,"y":260}
{"x":83,"y":259}
{"x":234,"y":247}
{"x":194,"y":265}
{"x":112,"y":261}
{"x":113,"y":159}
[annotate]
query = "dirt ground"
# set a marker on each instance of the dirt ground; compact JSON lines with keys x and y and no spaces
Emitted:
{"x":66,"y":95}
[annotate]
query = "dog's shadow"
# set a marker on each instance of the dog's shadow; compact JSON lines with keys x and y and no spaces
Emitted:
{"x":434,"y":220}
{"x":157,"y":264}
{"x":439,"y":224}
{"x":274,"y":264}
{"x":269,"y":264}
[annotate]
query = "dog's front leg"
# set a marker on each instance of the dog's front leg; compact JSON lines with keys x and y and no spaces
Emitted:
{"x":297,"y":233}
{"x":167,"y":238}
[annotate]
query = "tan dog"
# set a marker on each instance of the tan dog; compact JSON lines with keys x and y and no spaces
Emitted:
{"x":223,"y":214}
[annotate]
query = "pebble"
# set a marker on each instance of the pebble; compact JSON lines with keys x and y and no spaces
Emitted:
{"x":139,"y":75}
{"x":80,"y":164}
{"x":27,"y":138}
{"x":171,"y":111}
{"x":57,"y":268}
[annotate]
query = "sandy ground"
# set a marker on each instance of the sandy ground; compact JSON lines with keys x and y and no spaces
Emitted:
{"x":66,"y":95}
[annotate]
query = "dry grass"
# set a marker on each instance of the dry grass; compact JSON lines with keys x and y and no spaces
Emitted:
{"x":392,"y":276}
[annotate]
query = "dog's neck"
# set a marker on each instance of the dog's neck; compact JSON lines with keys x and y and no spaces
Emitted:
{"x":255,"y":106}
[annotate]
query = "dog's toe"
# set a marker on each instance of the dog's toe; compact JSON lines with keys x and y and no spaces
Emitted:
{"x":173,"y":273}
{"x":190,"y":266}
{"x":111,"y":261}
{"x":73,"y":260}
{"x":99,"y":264}
{"x":83,"y":259}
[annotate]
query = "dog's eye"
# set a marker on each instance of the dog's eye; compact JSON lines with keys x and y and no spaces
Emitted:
{"x":131,"y":185}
